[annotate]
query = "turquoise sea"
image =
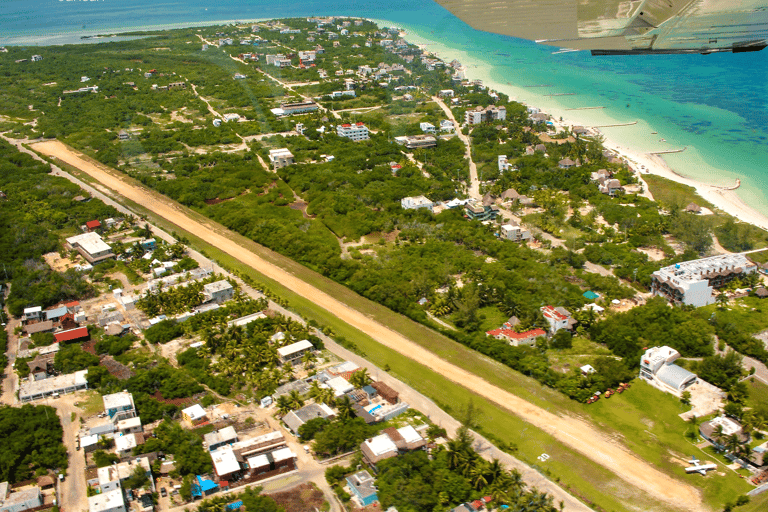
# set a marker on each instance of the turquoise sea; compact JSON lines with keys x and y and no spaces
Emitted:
{"x":715,"y":105}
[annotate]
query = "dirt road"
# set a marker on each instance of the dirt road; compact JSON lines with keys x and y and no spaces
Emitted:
{"x":474,"y":182}
{"x":72,"y":491}
{"x":577,"y":434}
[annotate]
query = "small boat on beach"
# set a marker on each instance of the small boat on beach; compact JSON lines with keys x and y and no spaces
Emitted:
{"x":662,"y":140}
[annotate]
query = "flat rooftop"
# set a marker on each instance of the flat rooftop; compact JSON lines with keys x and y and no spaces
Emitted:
{"x":696,"y":270}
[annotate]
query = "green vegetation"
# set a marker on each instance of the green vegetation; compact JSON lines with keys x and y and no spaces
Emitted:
{"x":103,"y":459}
{"x":250,"y":497}
{"x":33,"y":450}
{"x":311,"y":210}
{"x":36,"y":207}
{"x":72,"y":358}
{"x":186,"y":446}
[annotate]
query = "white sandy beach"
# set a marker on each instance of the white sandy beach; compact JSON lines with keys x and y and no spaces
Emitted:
{"x":638,"y":153}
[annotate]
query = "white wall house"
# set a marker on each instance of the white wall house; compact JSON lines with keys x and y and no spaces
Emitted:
{"x":356,"y":132}
{"x":416,"y":202}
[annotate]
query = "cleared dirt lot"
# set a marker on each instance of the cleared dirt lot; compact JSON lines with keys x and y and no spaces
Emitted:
{"x":577,"y":434}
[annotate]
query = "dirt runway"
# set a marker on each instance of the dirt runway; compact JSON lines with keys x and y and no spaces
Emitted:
{"x":575,"y":433}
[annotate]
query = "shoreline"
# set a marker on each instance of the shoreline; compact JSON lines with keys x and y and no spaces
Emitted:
{"x":723,"y":197}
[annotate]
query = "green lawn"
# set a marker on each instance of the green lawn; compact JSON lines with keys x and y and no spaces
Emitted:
{"x":757,"y":504}
{"x":491,"y":318}
{"x":670,"y":192}
{"x":643,"y":418}
{"x":749,"y":313}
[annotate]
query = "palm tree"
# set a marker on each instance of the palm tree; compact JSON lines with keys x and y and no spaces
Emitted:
{"x":328,"y":398}
{"x":309,"y":359}
{"x":283,"y":405}
{"x":733,"y":443}
{"x":719,"y":434}
{"x":315,"y":391}
{"x":494,"y":470}
{"x":478,"y":476}
{"x":360,"y":378}
{"x":295,"y":400}
{"x":345,"y":408}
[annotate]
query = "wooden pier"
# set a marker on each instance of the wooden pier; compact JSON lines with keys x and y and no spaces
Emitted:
{"x":667,"y":151}
{"x":615,"y":125}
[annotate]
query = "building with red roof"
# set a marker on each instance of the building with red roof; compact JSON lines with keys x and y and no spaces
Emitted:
{"x":558,"y":318}
{"x":517,"y":339}
{"x":78,"y":334}
{"x":93,"y":225}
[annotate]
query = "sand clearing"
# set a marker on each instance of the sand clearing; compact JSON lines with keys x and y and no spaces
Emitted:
{"x":575,"y":433}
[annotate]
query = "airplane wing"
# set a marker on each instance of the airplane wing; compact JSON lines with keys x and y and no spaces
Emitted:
{"x":624,"y":27}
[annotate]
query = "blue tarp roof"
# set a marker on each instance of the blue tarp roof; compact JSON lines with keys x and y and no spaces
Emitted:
{"x":236,"y":505}
{"x":589,"y":294}
{"x":206,"y":485}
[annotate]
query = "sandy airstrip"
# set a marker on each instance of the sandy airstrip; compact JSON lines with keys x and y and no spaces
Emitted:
{"x":575,"y":433}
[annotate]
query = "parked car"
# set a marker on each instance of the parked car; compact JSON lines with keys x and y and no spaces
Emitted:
{"x":163,"y":492}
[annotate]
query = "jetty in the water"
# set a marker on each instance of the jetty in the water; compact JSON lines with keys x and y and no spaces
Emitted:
{"x":667,"y":151}
{"x":615,"y":125}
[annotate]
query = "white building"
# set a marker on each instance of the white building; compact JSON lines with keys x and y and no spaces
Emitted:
{"x":194,"y":414}
{"x":111,"y":501}
{"x":427,"y":128}
{"x":130,"y":426}
{"x":112,"y":477}
{"x":414,"y":203}
{"x":280,"y":157}
{"x":119,"y":406}
{"x":657,"y":367}
{"x":557,"y":318}
{"x":378,"y":448}
{"x":340,"y":386}
{"x":356,"y":132}
{"x":480,"y":114}
{"x":91,"y":246}
{"x":340,"y":94}
{"x":225,"y":463}
{"x":53,"y":386}
{"x":693,"y":282}
{"x":446,"y":93}
{"x":503,"y":163}
{"x":515,"y":233}
{"x":125,"y":444}
{"x":220,"y":291}
{"x":447,"y":126}
{"x":217,"y":439}
{"x":294,"y":352}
